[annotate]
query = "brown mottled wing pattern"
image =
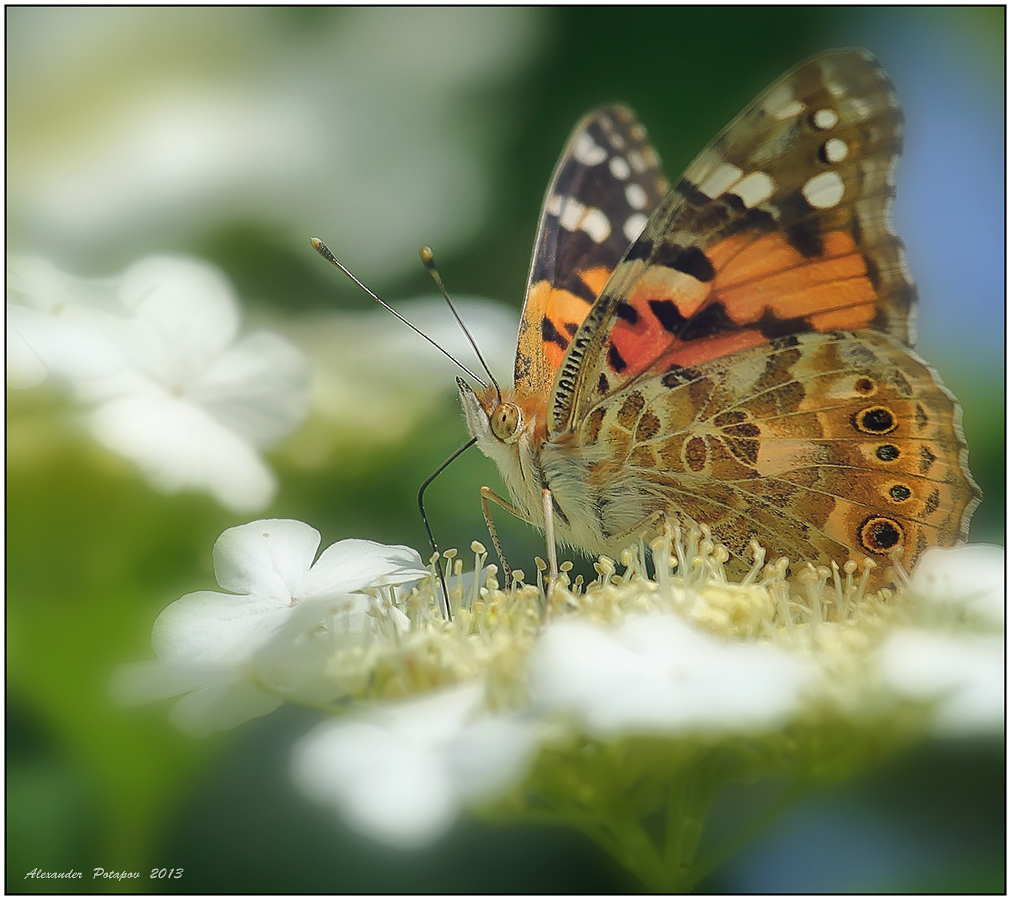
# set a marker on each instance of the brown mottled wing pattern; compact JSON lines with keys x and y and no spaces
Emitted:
{"x":605,"y":185}
{"x":825,"y":446}
{"x":781,"y":226}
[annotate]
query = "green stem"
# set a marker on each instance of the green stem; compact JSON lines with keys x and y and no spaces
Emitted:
{"x":763,"y":820}
{"x":689,"y":799}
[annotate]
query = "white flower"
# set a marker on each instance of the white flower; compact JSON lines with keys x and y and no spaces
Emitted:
{"x":402,"y":772}
{"x":58,"y":325}
{"x":658,"y":674}
{"x":962,"y":675}
{"x":957,"y":663}
{"x":973,"y":577}
{"x":240,"y":118}
{"x":238,"y":655}
{"x":156,"y":356}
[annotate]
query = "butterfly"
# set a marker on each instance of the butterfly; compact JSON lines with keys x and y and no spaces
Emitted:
{"x":734,"y":350}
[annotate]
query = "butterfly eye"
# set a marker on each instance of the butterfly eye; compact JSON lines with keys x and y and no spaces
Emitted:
{"x":506,"y":421}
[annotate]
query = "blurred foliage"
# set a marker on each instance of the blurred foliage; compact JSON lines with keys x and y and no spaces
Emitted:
{"x":93,"y":555}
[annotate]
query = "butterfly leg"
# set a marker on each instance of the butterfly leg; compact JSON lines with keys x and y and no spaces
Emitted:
{"x":648,"y":528}
{"x":549,"y":537}
{"x":548,"y":503}
{"x":488,"y":494}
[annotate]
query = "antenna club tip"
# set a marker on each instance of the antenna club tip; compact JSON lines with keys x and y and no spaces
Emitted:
{"x":427,"y":256}
{"x":322,"y":249}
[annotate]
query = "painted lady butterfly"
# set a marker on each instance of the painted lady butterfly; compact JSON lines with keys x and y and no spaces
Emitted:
{"x":733,"y":351}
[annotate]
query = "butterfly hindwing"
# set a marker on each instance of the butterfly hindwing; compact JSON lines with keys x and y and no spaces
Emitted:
{"x":605,"y":185}
{"x":781,"y":226}
{"x":830,"y":445}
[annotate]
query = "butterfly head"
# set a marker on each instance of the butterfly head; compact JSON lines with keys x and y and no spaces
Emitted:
{"x":503,"y":426}
{"x":492,"y":417}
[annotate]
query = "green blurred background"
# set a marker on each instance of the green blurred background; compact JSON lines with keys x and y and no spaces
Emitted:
{"x":233,"y":135}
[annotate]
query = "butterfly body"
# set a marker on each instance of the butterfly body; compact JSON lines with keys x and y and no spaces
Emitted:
{"x":734,"y":351}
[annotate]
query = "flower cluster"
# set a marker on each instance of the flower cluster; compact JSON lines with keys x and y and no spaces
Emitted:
{"x":595,"y":704}
{"x":231,"y":124}
{"x":155,"y":358}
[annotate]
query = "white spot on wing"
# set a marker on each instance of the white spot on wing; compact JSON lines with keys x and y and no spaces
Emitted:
{"x":596,"y":225}
{"x":836,"y":150}
{"x":574,"y":216}
{"x":825,"y":119}
{"x":782,"y":104}
{"x":635,"y":158}
{"x":571,"y":214}
{"x":789,"y":110}
{"x":725,"y":176}
{"x":824,"y":191}
{"x":619,"y":167}
{"x":755,"y":188}
{"x":587,"y":151}
{"x":636,"y":196}
{"x":861,"y":109}
{"x":633,"y":226}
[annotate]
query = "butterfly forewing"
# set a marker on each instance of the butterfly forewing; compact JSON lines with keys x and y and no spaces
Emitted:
{"x":605,"y":185}
{"x":781,"y":226}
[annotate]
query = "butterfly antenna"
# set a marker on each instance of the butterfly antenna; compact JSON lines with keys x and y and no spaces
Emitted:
{"x":324,"y":251}
{"x":428,"y":528}
{"x":428,"y":258}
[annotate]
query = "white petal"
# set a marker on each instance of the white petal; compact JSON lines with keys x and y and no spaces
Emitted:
{"x":395,"y":773}
{"x":973,"y":576}
{"x":297,"y":659}
{"x":962,"y":673}
{"x":659,"y":674}
{"x":210,"y":627}
{"x":382,"y":787}
{"x":353,"y":565}
{"x":489,"y":756}
{"x":221,"y":705}
{"x":178,"y":446}
{"x":218,"y":696}
{"x":146,"y":682}
{"x":186,"y":315}
{"x":270,"y":557}
{"x":74,"y":344}
{"x":259,"y":388}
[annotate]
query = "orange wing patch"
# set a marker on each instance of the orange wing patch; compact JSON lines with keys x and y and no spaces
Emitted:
{"x":551,"y":317}
{"x":756,"y":289}
{"x":770,"y":277}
